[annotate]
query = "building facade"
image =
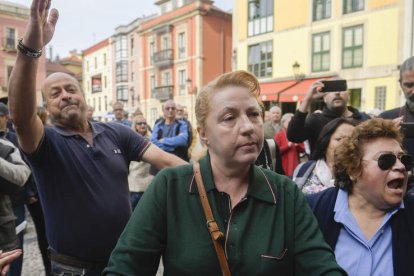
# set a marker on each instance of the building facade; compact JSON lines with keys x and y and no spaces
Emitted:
{"x":288,"y":48}
{"x":181,"y":50}
{"x":98,"y":78}
{"x":13,"y":21}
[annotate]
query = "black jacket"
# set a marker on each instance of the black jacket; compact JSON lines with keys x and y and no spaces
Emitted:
{"x":402,"y":227}
{"x":308,"y":127}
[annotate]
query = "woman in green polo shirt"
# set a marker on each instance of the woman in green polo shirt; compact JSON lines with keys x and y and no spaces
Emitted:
{"x":268,"y":227}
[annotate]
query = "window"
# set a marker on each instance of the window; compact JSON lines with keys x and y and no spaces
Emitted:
{"x":352,"y":50}
{"x":96,"y":83}
{"x":131,"y":44}
{"x":152,"y":51}
{"x":260,"y":17}
{"x":95,"y":63}
{"x":181,"y":82}
{"x":121,"y":50}
{"x":353,"y":6}
{"x":10,"y":42}
{"x":132,"y":70}
{"x":105,"y":103}
{"x":165,"y":43}
{"x":260,"y":59}
{"x":100,"y":104}
{"x":122,"y":93}
{"x":87,"y":66}
{"x":321,"y":9}
{"x":321,"y":53}
{"x":105,"y":82}
{"x":166,"y":78}
{"x":122,"y":71}
{"x":355,"y":98}
{"x":380,"y":97}
{"x":104,"y":59}
{"x":181,"y":45}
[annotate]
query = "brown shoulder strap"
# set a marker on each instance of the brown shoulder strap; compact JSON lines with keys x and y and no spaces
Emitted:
{"x":212,"y":226}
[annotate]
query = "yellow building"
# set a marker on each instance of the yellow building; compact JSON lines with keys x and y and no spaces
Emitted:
{"x":290,"y":44}
{"x":97,"y":78}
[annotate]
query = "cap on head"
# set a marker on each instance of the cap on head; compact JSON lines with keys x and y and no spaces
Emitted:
{"x":4,"y":110}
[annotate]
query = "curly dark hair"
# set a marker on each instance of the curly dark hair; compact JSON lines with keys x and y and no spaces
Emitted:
{"x":348,"y":155}
{"x":326,"y":134}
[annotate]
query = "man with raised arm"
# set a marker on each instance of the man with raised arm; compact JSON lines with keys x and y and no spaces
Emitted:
{"x":80,"y":167}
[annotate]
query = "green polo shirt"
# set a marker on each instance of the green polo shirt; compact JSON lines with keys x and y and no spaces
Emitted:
{"x":271,"y":232}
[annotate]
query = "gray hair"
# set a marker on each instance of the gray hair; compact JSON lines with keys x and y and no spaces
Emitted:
{"x":407,"y":65}
{"x":286,"y":117}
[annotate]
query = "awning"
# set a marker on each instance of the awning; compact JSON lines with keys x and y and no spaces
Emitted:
{"x":289,"y":90}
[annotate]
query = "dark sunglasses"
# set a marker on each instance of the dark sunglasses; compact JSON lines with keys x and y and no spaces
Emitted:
{"x":141,"y":123}
{"x":387,"y":160}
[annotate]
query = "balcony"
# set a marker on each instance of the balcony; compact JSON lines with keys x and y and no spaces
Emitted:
{"x":9,"y":44}
{"x":163,"y":93}
{"x":163,"y":58}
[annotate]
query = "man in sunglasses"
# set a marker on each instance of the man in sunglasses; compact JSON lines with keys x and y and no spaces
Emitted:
{"x":171,"y":134}
{"x":368,"y":219}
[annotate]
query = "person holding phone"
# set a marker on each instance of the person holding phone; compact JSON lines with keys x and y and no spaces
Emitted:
{"x":404,"y":115}
{"x":308,"y":127}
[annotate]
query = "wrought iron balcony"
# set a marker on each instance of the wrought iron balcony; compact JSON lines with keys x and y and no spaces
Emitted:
{"x":163,"y":58}
{"x":163,"y":93}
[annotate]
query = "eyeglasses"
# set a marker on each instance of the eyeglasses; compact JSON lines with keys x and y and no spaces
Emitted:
{"x":169,"y":108}
{"x":141,"y":123}
{"x":387,"y":160}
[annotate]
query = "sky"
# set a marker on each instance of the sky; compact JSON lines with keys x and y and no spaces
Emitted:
{"x":82,"y":23}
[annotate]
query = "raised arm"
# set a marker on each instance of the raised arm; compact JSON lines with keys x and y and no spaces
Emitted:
{"x":22,"y":84}
{"x":296,"y":129}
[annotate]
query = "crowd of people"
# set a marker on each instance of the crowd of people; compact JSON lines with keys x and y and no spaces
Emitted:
{"x":116,"y":198}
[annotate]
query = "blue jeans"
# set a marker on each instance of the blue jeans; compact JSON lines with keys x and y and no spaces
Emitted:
{"x":135,"y":197}
{"x":59,"y":269}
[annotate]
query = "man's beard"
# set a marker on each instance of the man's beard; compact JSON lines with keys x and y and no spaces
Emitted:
{"x":410,"y":102}
{"x":339,"y":109}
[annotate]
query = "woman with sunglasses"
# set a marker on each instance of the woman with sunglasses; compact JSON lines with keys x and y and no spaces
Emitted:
{"x":139,"y":176}
{"x":367,"y":218}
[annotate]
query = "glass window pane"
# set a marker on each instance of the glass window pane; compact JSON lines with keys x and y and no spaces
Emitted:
{"x":325,"y":61}
{"x":358,"y":56}
{"x":250,"y":29}
{"x":316,"y":65}
{"x":262,"y":25}
{"x":348,"y":38}
{"x":326,"y":42}
{"x":347,"y":62}
{"x":316,"y":43}
{"x":270,"y":23}
{"x":327,"y":8}
{"x":358,"y":36}
{"x":256,"y":26}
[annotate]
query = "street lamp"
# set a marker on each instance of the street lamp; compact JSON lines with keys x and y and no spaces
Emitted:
{"x":299,"y":76}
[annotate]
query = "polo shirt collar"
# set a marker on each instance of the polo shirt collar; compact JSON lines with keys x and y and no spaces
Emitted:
{"x":260,"y":186}
{"x":95,"y":127}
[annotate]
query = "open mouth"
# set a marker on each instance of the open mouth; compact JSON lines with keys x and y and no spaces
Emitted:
{"x":396,"y":184}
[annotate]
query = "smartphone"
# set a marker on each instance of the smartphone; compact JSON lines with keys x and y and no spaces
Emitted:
{"x":334,"y":86}
{"x":408,"y":129}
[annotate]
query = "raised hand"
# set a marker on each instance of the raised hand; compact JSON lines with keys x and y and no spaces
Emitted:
{"x":41,"y":25}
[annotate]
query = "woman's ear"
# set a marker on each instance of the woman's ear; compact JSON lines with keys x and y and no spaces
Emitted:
{"x":202,"y":133}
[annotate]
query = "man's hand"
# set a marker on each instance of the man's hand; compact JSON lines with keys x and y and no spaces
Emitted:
{"x":6,"y":258}
{"x":41,"y":25}
{"x":313,"y":93}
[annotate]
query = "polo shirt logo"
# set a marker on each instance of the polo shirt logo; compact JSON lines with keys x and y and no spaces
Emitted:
{"x":117,"y":151}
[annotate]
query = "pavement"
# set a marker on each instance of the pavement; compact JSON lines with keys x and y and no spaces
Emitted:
{"x":32,"y":260}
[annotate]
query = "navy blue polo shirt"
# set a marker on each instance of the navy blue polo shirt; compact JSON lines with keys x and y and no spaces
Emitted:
{"x":84,"y":188}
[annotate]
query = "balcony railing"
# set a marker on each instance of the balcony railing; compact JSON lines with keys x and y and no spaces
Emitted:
{"x":163,"y":58}
{"x":163,"y":93}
